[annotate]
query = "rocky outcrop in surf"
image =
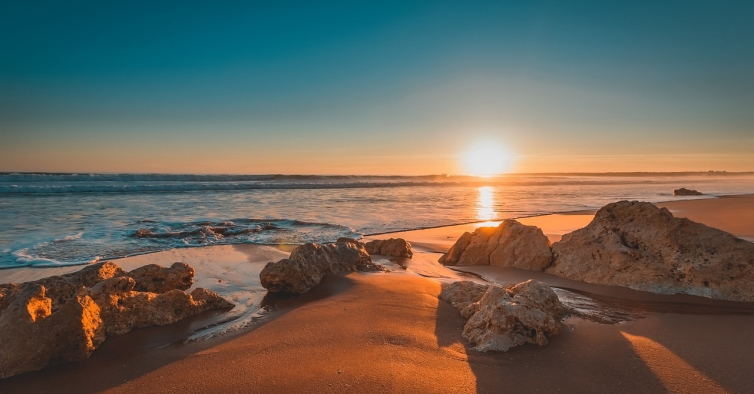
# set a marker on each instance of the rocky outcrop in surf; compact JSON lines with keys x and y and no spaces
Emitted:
{"x":64,"y":318}
{"x":396,"y":247}
{"x":504,"y":317}
{"x":638,"y":245}
{"x":687,"y":192}
{"x":308,"y":263}
{"x":511,"y":244}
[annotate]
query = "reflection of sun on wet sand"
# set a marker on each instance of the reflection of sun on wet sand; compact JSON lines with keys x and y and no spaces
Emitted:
{"x":387,"y":332}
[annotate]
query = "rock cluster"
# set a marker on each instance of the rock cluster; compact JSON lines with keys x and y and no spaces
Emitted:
{"x":638,"y":245}
{"x":686,"y":192}
{"x":511,"y":244}
{"x":64,"y":318}
{"x":628,"y":243}
{"x":504,"y":317}
{"x":397,"y":247}
{"x":308,"y":263}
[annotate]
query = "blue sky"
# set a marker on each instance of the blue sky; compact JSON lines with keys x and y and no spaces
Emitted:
{"x":375,"y":88}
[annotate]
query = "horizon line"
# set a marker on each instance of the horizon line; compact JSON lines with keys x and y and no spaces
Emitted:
{"x":716,"y":172}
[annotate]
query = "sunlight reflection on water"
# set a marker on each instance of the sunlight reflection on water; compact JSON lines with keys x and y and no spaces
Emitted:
{"x":485,"y":205}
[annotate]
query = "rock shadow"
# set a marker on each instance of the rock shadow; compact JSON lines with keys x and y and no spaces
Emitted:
{"x":596,"y":357}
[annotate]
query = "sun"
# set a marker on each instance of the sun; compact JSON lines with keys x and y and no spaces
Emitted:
{"x":487,"y":157}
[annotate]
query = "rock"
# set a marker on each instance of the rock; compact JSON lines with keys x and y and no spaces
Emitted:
{"x":686,"y":192}
{"x":64,"y":318}
{"x":61,"y":288}
{"x":464,"y":296}
{"x":155,"y":279}
{"x":308,"y":263}
{"x":123,"y":309}
{"x":637,"y":245}
{"x":34,"y":336}
{"x":453,"y":256}
{"x":505,"y":317}
{"x":511,"y":244}
{"x":397,"y":247}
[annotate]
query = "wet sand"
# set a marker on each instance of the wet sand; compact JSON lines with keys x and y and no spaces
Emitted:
{"x":388,"y":332}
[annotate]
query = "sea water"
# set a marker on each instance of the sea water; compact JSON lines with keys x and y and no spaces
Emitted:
{"x":68,"y":219}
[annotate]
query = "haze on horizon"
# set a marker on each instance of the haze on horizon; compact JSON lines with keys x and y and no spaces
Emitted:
{"x":400,"y":88}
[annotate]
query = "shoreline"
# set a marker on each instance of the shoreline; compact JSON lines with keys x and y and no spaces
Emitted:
{"x":379,"y":235}
{"x":375,"y":332}
{"x":576,"y":212}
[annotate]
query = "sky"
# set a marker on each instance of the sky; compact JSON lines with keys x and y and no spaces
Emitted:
{"x":398,"y":88}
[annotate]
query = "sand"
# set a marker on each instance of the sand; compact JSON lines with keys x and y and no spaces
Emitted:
{"x":388,"y":332}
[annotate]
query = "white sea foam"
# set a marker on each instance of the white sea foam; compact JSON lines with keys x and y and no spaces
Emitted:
{"x":25,"y":258}
{"x":72,"y":237}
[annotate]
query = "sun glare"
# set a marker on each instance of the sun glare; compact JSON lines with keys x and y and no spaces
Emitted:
{"x":487,"y":157}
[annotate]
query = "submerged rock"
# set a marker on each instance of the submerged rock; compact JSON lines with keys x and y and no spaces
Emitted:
{"x":686,"y":192}
{"x":504,"y":317}
{"x":511,"y":244}
{"x":308,"y":263}
{"x":638,"y":245}
{"x":64,"y":318}
{"x":397,"y":247}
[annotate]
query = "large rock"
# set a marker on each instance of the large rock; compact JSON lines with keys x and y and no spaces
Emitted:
{"x":397,"y":247}
{"x":308,"y":263}
{"x":686,"y":192}
{"x":637,"y":245}
{"x":34,"y":336}
{"x":504,"y":317}
{"x":64,"y":318}
{"x":511,"y":244}
{"x":123,"y":309}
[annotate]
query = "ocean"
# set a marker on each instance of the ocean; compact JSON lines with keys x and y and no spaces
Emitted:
{"x":70,"y":219}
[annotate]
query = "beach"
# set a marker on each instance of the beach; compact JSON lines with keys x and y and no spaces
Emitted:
{"x":377,"y":197}
{"x":388,"y":332}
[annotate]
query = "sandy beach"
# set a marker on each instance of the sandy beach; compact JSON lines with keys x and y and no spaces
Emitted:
{"x":388,"y":332}
{"x":377,"y":197}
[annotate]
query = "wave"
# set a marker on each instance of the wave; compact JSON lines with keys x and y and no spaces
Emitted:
{"x":123,"y":187}
{"x":147,"y":177}
{"x":36,"y":183}
{"x":152,"y":236}
{"x":83,"y":177}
